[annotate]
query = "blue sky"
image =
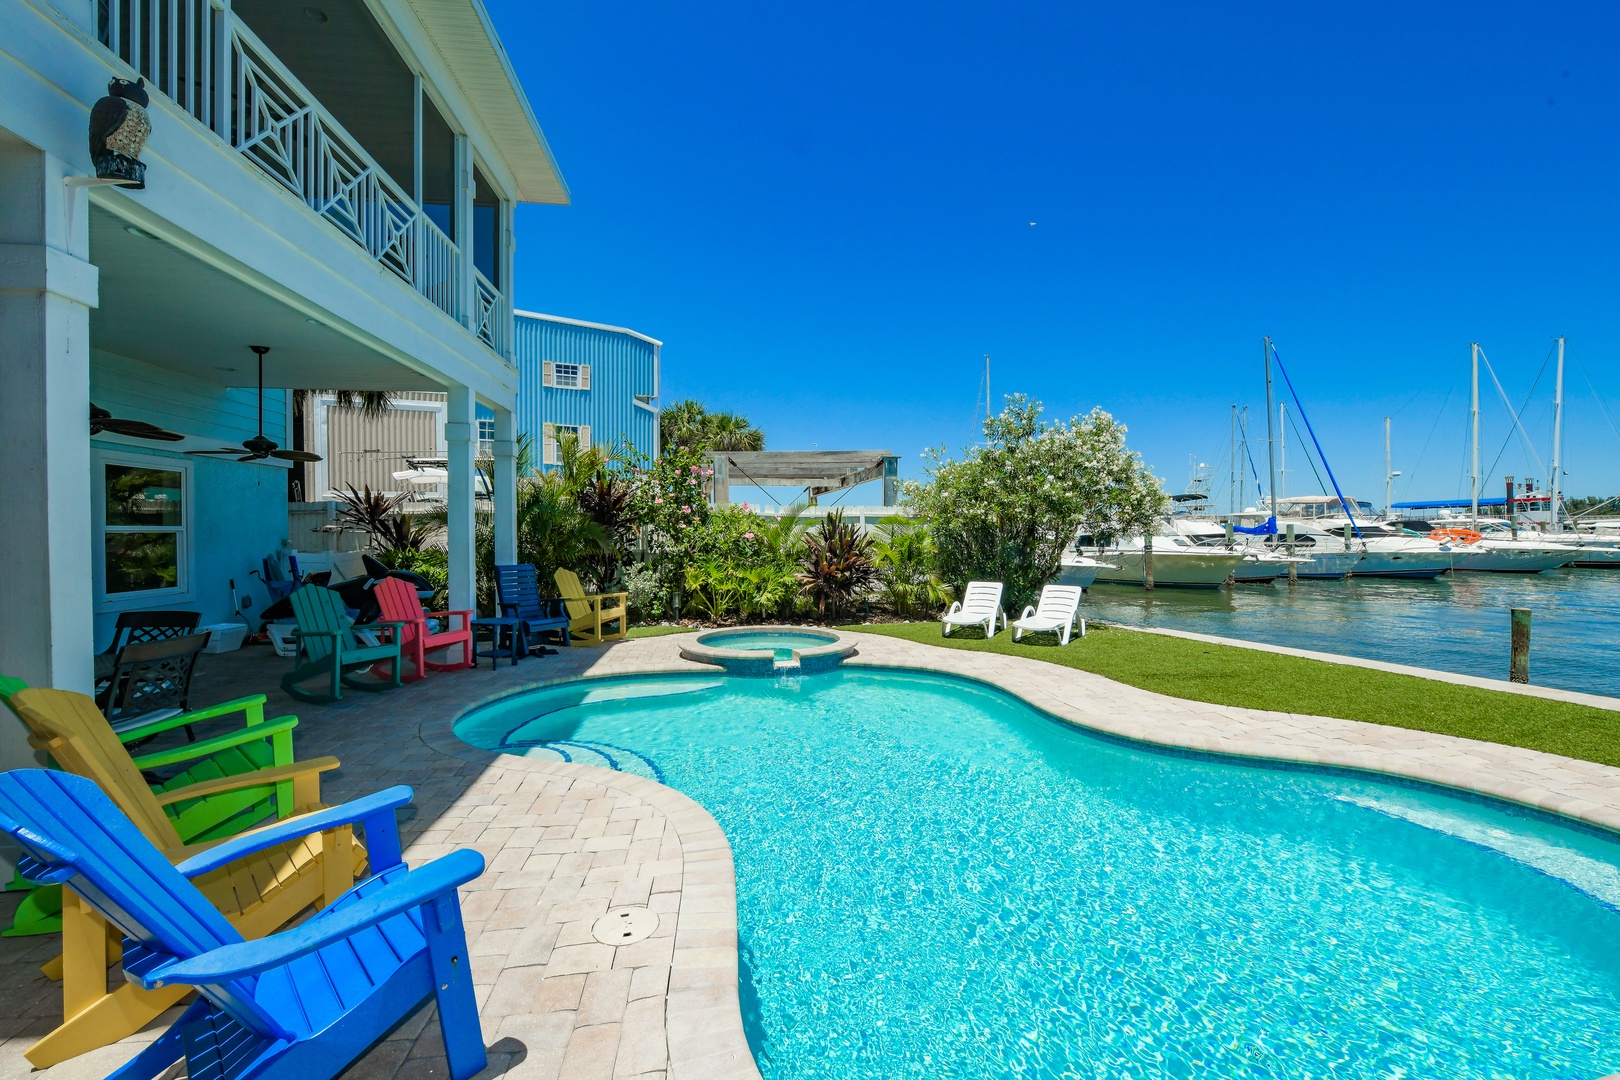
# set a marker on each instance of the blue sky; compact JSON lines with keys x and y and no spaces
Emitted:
{"x":825,"y":213}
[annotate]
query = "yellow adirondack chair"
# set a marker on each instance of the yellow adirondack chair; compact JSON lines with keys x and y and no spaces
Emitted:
{"x":258,"y":894}
{"x":588,"y":614}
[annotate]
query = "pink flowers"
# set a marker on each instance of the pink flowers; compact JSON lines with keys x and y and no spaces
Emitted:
{"x":686,"y":509}
{"x":748,"y":536}
{"x":747,"y":508}
{"x":694,"y":468}
{"x":658,"y":502}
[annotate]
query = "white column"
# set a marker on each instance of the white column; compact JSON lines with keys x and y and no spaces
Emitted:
{"x":460,"y":436}
{"x":47,"y":289}
{"x":505,"y":493}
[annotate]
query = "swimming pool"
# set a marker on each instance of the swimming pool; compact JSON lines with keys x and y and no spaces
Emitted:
{"x":936,"y":880}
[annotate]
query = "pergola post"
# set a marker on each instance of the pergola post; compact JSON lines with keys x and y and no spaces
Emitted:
{"x":722,"y":481}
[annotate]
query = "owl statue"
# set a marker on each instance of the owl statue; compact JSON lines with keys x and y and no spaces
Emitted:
{"x":118,"y":129}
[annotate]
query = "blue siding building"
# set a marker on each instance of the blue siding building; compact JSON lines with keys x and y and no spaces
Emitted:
{"x":598,"y":382}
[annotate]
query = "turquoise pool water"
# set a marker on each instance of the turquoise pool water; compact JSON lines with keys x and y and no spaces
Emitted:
{"x":935,"y":880}
{"x":767,"y":639}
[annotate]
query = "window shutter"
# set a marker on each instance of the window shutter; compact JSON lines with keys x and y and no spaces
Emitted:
{"x":584,"y":376}
{"x":584,"y":436}
{"x":548,"y":375}
{"x":548,"y":452}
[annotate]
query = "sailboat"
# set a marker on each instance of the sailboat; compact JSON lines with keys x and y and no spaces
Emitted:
{"x":1384,"y":552}
{"x":1480,"y":550}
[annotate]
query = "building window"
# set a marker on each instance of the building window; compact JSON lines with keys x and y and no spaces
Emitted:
{"x":551,"y":453}
{"x":565,"y":376}
{"x":143,"y":532}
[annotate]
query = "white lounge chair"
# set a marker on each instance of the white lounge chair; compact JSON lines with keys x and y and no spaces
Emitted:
{"x":1058,"y":607}
{"x":980,"y":606}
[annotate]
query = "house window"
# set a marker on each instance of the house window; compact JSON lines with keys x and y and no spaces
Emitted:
{"x":143,"y":532}
{"x":565,"y":376}
{"x":551,"y":454}
{"x":486,"y":429}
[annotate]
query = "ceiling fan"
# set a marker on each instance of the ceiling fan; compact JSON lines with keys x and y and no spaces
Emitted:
{"x":258,"y":448}
{"x":102,"y":420}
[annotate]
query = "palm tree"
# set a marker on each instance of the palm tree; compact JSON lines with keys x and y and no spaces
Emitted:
{"x":688,"y":423}
{"x":729,"y":431}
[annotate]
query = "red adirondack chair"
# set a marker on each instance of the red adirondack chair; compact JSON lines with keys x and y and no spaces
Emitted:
{"x":399,"y":603}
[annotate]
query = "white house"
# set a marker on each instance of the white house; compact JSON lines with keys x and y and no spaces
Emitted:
{"x":331,"y":179}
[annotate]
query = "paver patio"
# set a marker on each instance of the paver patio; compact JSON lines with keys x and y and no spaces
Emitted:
{"x":566,"y":843}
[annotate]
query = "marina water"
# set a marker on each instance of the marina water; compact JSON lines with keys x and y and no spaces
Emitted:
{"x":1458,"y":622}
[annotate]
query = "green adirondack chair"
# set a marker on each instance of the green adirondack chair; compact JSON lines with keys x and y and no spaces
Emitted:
{"x":329,"y":649}
{"x":258,"y":745}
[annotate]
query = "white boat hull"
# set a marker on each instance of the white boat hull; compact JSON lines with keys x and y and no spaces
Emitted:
{"x":1328,"y":565}
{"x":1597,"y":556}
{"x":1402,"y":563}
{"x":1509,"y":557}
{"x":1079,"y":571}
{"x":1175,"y":567}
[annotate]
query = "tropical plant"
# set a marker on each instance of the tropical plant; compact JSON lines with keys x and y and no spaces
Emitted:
{"x":689,"y":425}
{"x":606,"y":499}
{"x":400,"y":531}
{"x":837,"y":564}
{"x":366,"y":511}
{"x":908,"y":574}
{"x":370,"y":404}
{"x":1006,"y":511}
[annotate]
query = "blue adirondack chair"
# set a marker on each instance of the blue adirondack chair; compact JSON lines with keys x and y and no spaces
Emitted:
{"x":517,"y":589}
{"x":298,"y":1005}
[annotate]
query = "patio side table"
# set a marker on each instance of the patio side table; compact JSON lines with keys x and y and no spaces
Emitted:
{"x":506,"y":638}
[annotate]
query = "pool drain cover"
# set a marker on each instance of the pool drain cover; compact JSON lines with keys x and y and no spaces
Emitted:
{"x":625,"y":926}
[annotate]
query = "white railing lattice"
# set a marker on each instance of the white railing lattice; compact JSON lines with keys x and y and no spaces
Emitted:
{"x":211,"y":65}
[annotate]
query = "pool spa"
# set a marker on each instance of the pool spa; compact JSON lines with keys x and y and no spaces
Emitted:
{"x":935,"y":879}
{"x":769,"y":650}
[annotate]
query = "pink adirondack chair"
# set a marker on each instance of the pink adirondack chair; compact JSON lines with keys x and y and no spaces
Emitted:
{"x":399,"y":603}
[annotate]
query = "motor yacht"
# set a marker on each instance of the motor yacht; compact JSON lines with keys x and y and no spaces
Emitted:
{"x":1385,"y":551}
{"x":1177,"y":561}
{"x":1492,"y":548}
{"x":1266,"y":559}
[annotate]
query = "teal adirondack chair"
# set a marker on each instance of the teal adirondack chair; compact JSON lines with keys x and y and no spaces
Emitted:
{"x":298,"y":1005}
{"x":329,"y":649}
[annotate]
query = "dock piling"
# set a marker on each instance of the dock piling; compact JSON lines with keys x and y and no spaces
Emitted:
{"x":1293,"y":567}
{"x":1519,"y":660}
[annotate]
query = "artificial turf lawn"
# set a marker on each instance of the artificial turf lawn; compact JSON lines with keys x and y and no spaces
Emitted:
{"x":660,"y":631}
{"x":1227,"y":675}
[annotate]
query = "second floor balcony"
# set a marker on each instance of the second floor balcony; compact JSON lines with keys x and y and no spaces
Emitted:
{"x":325,"y":101}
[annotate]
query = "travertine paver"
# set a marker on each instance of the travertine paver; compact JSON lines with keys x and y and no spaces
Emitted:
{"x":566,"y":843}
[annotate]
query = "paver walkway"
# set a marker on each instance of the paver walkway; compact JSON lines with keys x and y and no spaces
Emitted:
{"x":567,"y":843}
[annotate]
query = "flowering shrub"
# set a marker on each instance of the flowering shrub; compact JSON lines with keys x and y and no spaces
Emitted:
{"x":1006,"y":511}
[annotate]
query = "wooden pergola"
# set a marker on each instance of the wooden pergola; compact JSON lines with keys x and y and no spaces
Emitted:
{"x":817,"y":471}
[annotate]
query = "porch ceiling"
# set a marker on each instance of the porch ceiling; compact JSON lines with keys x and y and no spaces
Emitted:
{"x":169,"y":308}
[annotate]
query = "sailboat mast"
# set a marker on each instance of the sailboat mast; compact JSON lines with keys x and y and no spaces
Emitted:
{"x":1271,"y":437}
{"x":1389,"y":477}
{"x":1282,"y":450}
{"x":1558,"y":439}
{"x":1473,"y":413}
{"x":1232,"y":468}
{"x":1243,"y":448}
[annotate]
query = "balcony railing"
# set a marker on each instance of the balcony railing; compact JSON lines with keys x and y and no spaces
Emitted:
{"x":491,"y":314}
{"x":206,"y":61}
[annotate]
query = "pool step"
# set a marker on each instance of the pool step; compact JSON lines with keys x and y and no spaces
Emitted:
{"x":602,"y":755}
